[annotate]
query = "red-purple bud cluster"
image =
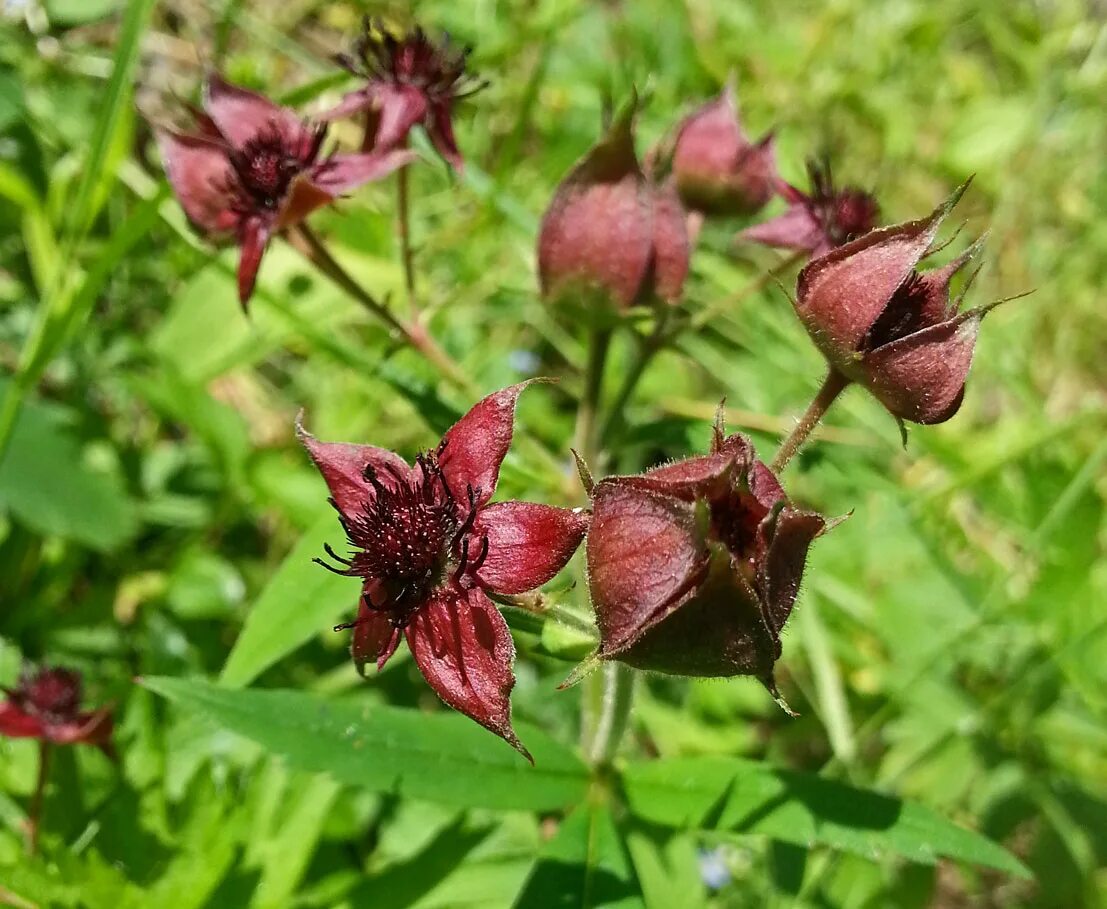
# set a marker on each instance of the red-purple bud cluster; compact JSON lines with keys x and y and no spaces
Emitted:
{"x":887,"y":326}
{"x":718,"y":171}
{"x":694,"y":567}
{"x":612,"y":229}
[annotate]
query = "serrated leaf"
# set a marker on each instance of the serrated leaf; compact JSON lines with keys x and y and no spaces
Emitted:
{"x":442,"y":757}
{"x":585,"y":866}
{"x":747,"y":797}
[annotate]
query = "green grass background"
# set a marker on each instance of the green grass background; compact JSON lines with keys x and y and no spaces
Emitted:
{"x":951,"y":639}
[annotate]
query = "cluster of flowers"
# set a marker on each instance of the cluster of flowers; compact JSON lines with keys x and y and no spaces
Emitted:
{"x":693,"y":567}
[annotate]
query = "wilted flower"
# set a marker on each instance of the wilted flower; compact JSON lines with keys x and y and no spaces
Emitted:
{"x":818,"y":221}
{"x":409,"y":79}
{"x":429,"y":548}
{"x":893,"y":329}
{"x":46,"y":705}
{"x":694,"y":567}
{"x":253,"y":168}
{"x":718,"y":171}
{"x":611,"y":228}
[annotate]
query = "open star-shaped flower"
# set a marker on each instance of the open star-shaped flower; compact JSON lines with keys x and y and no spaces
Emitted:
{"x":46,"y":705}
{"x":429,"y":548}
{"x":252,"y":168}
{"x":816,"y":222}
{"x":409,"y":79}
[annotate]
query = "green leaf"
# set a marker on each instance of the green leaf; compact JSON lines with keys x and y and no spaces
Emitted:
{"x":443,"y":757}
{"x":46,"y":483}
{"x":667,"y":868}
{"x":747,"y":797}
{"x":79,"y":12}
{"x":300,"y":601}
{"x":585,"y":866}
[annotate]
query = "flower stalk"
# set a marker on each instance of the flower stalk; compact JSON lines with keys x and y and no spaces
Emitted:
{"x":585,"y":438}
{"x":305,"y":241}
{"x":34,"y":813}
{"x":833,"y":385}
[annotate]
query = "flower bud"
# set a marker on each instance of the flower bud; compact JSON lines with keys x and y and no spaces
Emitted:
{"x":694,"y":567}
{"x":612,"y":229}
{"x":885,"y":325}
{"x":718,"y":171}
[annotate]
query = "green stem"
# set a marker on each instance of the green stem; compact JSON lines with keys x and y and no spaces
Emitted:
{"x":833,"y":385}
{"x":610,"y":715}
{"x":34,"y":815}
{"x":304,"y":241}
{"x":585,"y":440}
{"x":403,"y":209}
{"x":648,"y":348}
{"x":761,"y":281}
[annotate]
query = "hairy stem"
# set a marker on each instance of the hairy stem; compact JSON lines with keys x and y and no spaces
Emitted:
{"x":585,"y":439}
{"x":616,"y":696}
{"x":833,"y":385}
{"x":34,"y":814}
{"x":304,"y":241}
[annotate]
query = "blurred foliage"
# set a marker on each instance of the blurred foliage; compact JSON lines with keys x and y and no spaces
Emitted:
{"x":156,"y":514}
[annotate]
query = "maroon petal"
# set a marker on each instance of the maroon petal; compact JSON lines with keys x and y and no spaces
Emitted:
{"x":598,"y":232}
{"x":764,"y":486}
{"x":797,"y":228}
{"x":440,"y":129}
{"x":528,"y":543}
{"x":253,"y":238}
{"x":200,"y":174}
{"x":240,"y":114}
{"x":671,"y":247}
{"x":718,"y":631}
{"x":476,"y":444}
{"x":375,"y":637}
{"x":401,"y":107}
{"x":464,"y":649}
{"x":646,"y":551}
{"x":782,"y":568}
{"x":341,"y":173}
{"x":17,"y":724}
{"x":352,"y":103}
{"x":343,"y":468}
{"x":86,"y":729}
{"x":921,"y":378}
{"x":690,"y":479}
{"x":841,"y":294}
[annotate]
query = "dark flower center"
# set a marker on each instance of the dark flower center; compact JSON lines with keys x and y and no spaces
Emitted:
{"x":735,"y":518}
{"x":412,"y":58}
{"x":267,"y":164}
{"x":844,"y":214}
{"x":54,"y":694}
{"x":905,"y":314}
{"x":408,"y":537}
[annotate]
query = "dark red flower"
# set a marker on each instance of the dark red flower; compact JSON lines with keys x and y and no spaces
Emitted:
{"x":613,"y":229}
{"x":409,"y":79}
{"x":694,"y":567}
{"x":883,"y":324}
{"x":818,"y":221}
{"x":253,"y":168}
{"x":46,"y":705}
{"x":718,"y":171}
{"x":429,"y":548}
